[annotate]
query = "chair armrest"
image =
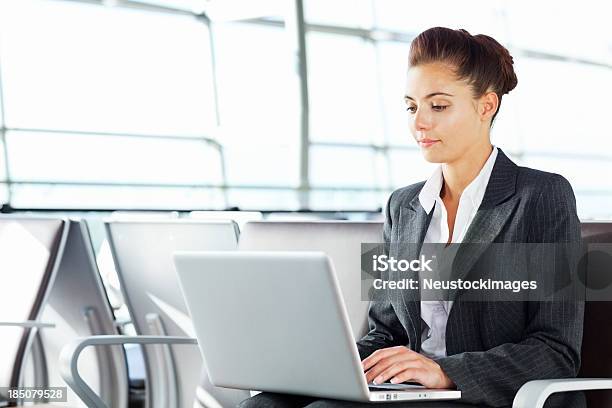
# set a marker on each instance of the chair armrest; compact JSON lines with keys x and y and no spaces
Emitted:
{"x":533,"y":394}
{"x":70,"y":353}
{"x":27,"y":324}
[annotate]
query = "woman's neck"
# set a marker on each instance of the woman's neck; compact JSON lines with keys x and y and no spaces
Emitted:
{"x":460,"y":173}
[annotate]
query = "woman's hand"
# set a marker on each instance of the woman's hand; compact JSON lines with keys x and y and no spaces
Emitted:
{"x":400,"y":364}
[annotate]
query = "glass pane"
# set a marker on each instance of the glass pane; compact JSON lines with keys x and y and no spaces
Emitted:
{"x":258,"y":86}
{"x":74,"y":66}
{"x":506,"y":131}
{"x":584,"y":174}
{"x":347,"y":167}
{"x":259,"y":106}
{"x":560,"y":107}
{"x":593,"y":192}
{"x":86,"y":158}
{"x":408,"y":167}
{"x":226,"y":9}
{"x":594,"y":205}
{"x":195,"y":6}
{"x":335,"y":12}
{"x":347,"y":200}
{"x":267,"y":165}
{"x":478,"y":16}
{"x":574,"y":29}
{"x":343,"y":89}
{"x":393,"y":58}
{"x":2,"y":161}
{"x":262,"y":199}
{"x":77,"y":197}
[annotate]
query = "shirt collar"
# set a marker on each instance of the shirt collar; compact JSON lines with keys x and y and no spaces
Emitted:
{"x":474,"y":191}
{"x":431,"y":190}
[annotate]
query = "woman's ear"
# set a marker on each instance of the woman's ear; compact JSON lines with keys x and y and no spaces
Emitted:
{"x":488,"y":104}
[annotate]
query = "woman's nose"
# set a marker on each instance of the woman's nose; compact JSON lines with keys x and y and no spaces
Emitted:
{"x":422,"y":121}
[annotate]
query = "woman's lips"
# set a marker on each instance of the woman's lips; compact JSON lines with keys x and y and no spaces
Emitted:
{"x":427,"y":142}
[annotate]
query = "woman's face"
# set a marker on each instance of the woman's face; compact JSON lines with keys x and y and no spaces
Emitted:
{"x":445,"y":119}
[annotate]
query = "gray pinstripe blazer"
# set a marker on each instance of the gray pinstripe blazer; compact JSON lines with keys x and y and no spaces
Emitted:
{"x":493,"y":348}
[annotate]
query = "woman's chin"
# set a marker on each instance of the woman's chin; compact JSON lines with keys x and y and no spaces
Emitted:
{"x":432,"y":157}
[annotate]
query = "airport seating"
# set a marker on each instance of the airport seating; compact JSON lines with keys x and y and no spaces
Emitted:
{"x":30,"y":252}
{"x":142,"y":252}
{"x":239,"y":217}
{"x":341,"y":241}
{"x":595,"y":374}
{"x":78,"y":306}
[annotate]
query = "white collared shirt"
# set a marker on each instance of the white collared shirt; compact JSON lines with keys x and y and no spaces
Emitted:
{"x":435,"y":312}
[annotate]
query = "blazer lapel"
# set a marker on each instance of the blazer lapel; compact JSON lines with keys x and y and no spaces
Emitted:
{"x":494,"y":212}
{"x":414,"y":222}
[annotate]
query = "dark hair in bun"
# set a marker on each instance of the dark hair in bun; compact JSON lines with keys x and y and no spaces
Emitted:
{"x":479,"y":59}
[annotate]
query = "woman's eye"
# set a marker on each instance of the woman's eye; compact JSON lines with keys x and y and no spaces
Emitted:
{"x":439,"y":108}
{"x":411,"y":109}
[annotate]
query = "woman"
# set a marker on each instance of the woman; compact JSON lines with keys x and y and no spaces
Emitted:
{"x":488,"y":350}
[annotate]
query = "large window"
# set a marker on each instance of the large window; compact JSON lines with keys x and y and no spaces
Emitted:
{"x":103,"y":106}
{"x":144,"y":107}
{"x":343,"y":88}
{"x":258,"y":106}
{"x":553,"y":121}
{"x":83,"y":67}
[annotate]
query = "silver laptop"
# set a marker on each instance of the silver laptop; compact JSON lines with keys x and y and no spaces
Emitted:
{"x":276,"y":321}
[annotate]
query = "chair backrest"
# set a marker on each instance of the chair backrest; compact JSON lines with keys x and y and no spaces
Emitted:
{"x":79,"y":307}
{"x":143,"y":251}
{"x":30,"y":249}
{"x":597,"y":337}
{"x":239,"y":217}
{"x":340,"y":240}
